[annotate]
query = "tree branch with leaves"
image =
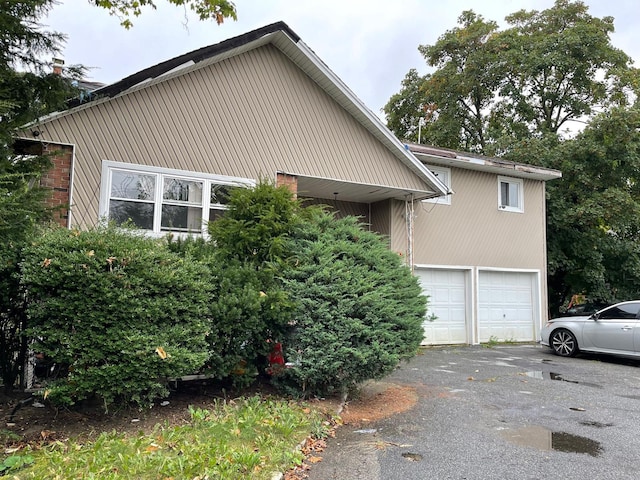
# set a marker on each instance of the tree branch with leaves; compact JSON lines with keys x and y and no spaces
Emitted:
{"x":217,"y":10}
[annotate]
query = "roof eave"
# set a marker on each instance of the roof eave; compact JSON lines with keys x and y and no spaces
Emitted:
{"x":437,"y":156}
{"x":290,"y":44}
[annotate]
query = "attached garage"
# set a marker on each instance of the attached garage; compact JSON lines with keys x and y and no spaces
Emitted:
{"x":474,"y":305}
{"x":448,"y":291}
{"x":507,"y":305}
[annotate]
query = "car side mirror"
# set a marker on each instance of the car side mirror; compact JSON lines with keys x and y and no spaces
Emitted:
{"x":594,"y":316}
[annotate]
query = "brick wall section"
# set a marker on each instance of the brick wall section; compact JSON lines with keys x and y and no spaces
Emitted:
{"x":291,"y":181}
{"x":58,"y":179}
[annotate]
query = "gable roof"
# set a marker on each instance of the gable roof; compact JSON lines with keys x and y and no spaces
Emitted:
{"x":289,"y":43}
{"x":470,"y":161}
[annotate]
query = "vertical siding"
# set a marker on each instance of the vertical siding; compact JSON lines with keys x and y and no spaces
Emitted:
{"x":343,"y":209}
{"x":381,"y":217}
{"x":247,"y":116}
{"x":398,"y":227}
{"x":473,"y":231}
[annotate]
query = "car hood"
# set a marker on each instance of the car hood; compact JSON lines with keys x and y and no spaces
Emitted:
{"x":572,"y":318}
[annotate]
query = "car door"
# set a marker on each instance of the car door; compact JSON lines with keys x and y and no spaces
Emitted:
{"x":612,"y":329}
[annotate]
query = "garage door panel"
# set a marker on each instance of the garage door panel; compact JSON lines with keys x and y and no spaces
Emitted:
{"x":447,"y":301}
{"x":506,"y":306}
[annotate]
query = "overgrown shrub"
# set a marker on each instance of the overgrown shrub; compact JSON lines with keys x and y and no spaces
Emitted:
{"x":249,"y":307}
{"x":121,"y":313}
{"x":359,"y":309}
{"x":342,"y":304}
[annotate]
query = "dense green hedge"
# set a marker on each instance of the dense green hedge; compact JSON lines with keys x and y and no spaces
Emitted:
{"x":359,"y":310}
{"x":120,"y":312}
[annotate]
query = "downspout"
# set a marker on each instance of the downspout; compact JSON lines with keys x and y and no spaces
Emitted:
{"x":409,"y":220}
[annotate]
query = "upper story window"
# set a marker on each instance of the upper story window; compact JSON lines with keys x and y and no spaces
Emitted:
{"x":444,"y":175}
{"x":511,"y":194}
{"x":164,"y":200}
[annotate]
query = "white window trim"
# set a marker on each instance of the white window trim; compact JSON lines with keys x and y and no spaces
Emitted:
{"x":207,"y":179}
{"x":446,"y":199}
{"x":507,"y":208}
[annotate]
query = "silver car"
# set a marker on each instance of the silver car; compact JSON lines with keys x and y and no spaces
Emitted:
{"x":613,"y":330}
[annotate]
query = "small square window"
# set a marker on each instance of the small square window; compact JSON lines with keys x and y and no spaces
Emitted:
{"x":444,"y":175}
{"x":510,"y":194}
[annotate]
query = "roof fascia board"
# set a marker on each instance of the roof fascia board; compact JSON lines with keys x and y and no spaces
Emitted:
{"x":494,"y":165}
{"x":196,"y":56}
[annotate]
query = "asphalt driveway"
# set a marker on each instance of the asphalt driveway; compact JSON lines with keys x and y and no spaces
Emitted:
{"x":507,"y":412}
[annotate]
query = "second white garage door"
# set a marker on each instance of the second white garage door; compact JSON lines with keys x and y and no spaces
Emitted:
{"x":447,"y":301}
{"x":506,"y":303}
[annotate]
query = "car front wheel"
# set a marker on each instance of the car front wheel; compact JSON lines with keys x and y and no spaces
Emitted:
{"x":564,"y":343}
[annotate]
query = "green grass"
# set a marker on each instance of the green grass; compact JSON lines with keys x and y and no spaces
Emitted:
{"x":246,"y":438}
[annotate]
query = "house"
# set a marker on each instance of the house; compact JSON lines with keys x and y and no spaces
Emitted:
{"x":163,"y":147}
{"x":480,"y":253}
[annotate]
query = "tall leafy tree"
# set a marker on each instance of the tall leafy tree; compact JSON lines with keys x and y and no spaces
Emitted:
{"x":453,"y":102}
{"x":593,"y":212}
{"x":491,"y":88}
{"x":404,"y":108}
{"x":559,"y":65}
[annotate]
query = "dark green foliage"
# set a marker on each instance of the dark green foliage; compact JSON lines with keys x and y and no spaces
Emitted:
{"x":359,"y":310}
{"x":21,"y":209}
{"x":250,"y":308}
{"x":492,"y":88}
{"x":257,"y":224}
{"x":107,"y":306}
{"x":333,"y":293}
{"x":593,"y":212}
{"x":28,"y":89}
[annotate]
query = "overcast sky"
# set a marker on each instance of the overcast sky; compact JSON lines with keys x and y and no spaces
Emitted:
{"x":369,"y":44}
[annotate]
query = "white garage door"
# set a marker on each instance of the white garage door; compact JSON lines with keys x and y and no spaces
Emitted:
{"x":506,"y":306}
{"x":446,"y":290}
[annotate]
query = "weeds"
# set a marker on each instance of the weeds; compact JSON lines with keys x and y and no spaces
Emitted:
{"x":492,"y":342}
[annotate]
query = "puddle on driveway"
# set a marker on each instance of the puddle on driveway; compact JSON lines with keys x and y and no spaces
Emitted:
{"x":593,"y":423}
{"x":545,"y":439}
{"x":557,"y":376}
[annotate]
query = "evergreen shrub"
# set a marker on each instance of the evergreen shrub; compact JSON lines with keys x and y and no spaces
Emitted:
{"x":119,"y":312}
{"x":359,"y":310}
{"x":250,"y":310}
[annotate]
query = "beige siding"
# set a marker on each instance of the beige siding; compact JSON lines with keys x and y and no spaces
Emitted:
{"x":472,"y":231}
{"x":399,"y":232}
{"x":247,"y":116}
{"x":342,"y":209}
{"x":381,"y":217}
